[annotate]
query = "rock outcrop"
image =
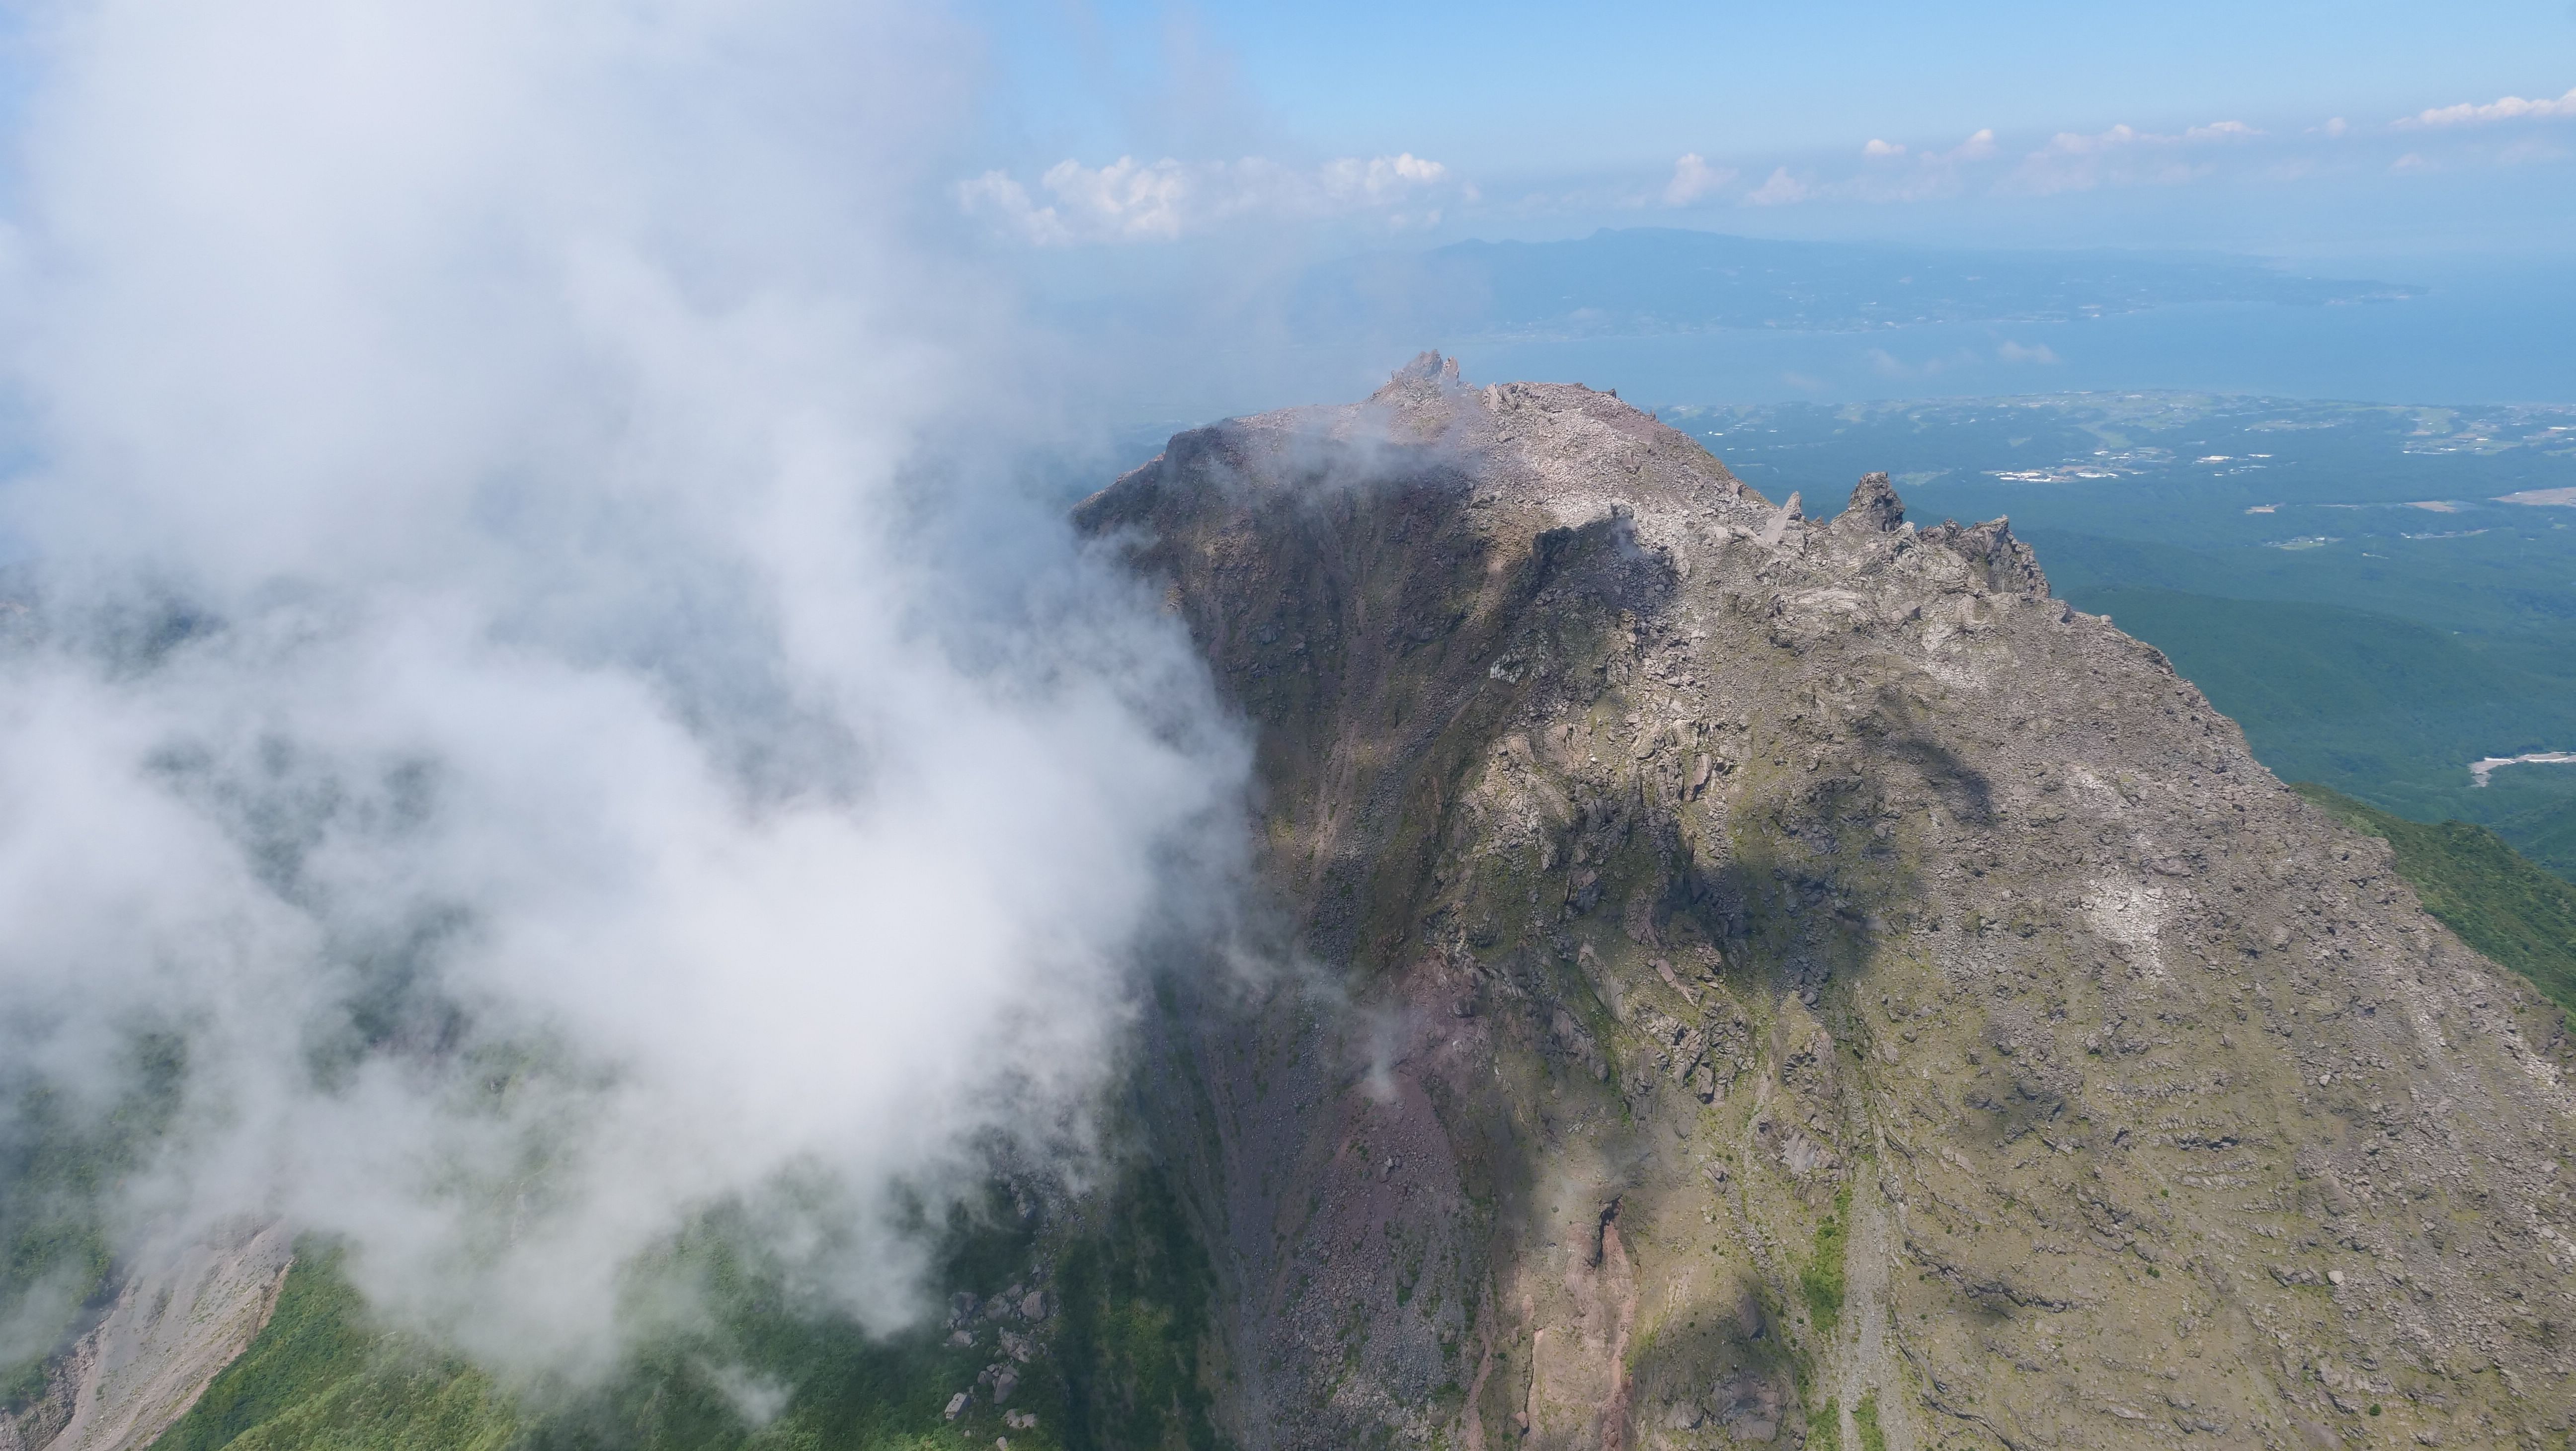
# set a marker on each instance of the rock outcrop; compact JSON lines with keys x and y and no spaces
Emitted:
{"x":181,"y":1314}
{"x":1807,"y":983}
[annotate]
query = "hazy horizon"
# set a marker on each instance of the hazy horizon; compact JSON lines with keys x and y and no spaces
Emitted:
{"x":1169,"y":173}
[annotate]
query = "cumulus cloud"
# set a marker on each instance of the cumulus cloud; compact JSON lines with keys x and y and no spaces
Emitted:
{"x":1780,"y":189}
{"x":2120,"y":156}
{"x":2507,"y":108}
{"x":2013,"y":352}
{"x":1932,"y":173}
{"x":1694,"y":179}
{"x":1893,"y":173}
{"x":500,"y":668}
{"x":1888,"y":170}
{"x":1135,"y":201}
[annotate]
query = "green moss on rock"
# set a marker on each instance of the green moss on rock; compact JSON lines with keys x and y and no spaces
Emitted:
{"x":1865,"y":1421}
{"x":1822,"y":1281}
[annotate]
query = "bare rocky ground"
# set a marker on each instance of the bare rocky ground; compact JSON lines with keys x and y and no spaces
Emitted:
{"x":182,"y":1313}
{"x":1805,"y":982}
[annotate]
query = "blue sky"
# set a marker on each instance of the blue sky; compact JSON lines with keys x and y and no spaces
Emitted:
{"x":1511,"y":84}
{"x":2251,"y":127}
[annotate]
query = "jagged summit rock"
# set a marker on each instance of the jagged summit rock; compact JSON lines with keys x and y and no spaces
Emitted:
{"x":1428,"y":371}
{"x":1874,"y":505}
{"x":1807,"y":976}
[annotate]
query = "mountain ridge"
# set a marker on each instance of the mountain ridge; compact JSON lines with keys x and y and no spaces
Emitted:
{"x":1712,"y":865}
{"x":1762,"y":982}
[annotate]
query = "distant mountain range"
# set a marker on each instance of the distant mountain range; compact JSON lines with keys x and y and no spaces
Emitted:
{"x":1650,"y":280}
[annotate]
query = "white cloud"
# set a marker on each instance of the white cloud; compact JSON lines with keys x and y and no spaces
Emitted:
{"x":500,"y":671}
{"x":2071,"y":143}
{"x":1694,"y":178}
{"x":1135,"y":201}
{"x":1892,"y":173}
{"x":2333,"y":126}
{"x":2508,"y":108}
{"x":2120,"y":156}
{"x":1977,"y":147}
{"x":1780,"y":189}
{"x":2013,"y":352}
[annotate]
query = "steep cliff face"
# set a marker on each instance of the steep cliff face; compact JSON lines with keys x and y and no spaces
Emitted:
{"x":1807,"y":984}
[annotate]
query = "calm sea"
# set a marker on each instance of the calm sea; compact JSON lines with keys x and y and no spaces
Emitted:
{"x":2491,"y":334}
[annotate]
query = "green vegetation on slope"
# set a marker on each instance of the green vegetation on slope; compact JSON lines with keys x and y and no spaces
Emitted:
{"x":1131,"y":1299}
{"x":2480,"y":888}
{"x":762,"y":1344}
{"x":53,"y":1254}
{"x":1824,"y":1425}
{"x":1137,"y":1298}
{"x":1865,"y":1421}
{"x":2334,"y":693}
{"x":1821,"y":1282}
{"x":2544,"y":831}
{"x":2376,"y":706}
{"x":59,"y":1165}
{"x":318,"y":1379}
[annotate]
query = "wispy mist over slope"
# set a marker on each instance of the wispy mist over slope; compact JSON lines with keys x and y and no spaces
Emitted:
{"x":498,"y":671}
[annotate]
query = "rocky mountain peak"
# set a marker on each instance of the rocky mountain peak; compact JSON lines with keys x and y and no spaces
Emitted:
{"x":1874,"y":505}
{"x":1429,"y":375}
{"x":1812,"y":986}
